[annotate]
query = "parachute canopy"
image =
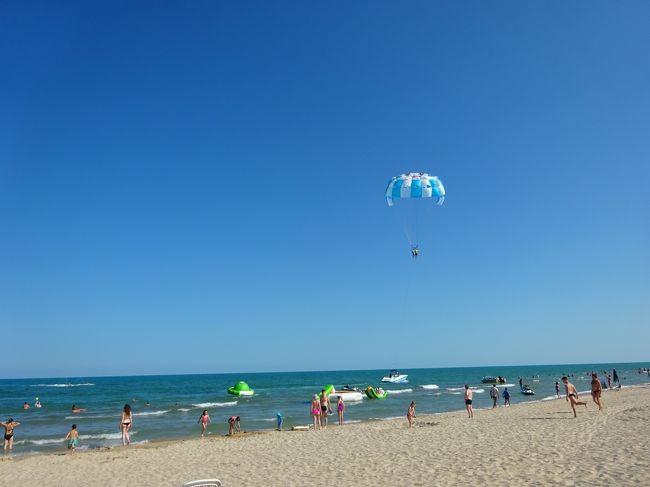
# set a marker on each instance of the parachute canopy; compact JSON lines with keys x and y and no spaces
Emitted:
{"x":415,"y":185}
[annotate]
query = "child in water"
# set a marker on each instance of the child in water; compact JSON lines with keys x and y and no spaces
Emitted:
{"x":410,"y":414}
{"x":72,"y":438}
{"x":204,"y":419}
{"x":234,"y":423}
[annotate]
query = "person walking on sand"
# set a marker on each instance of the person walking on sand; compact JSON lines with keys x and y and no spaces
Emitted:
{"x":572,"y":396}
{"x":325,"y":408}
{"x":410,"y":414}
{"x":596,"y":390}
{"x":609,"y":380}
{"x":506,"y":397}
{"x":9,"y":426}
{"x":126,"y":422}
{"x":557,"y":389}
{"x":468,"y":401}
{"x":204,"y":420}
{"x":340,"y":407}
{"x":72,"y":438}
{"x":494,"y":394}
{"x":234,"y":424}
{"x":315,"y":411}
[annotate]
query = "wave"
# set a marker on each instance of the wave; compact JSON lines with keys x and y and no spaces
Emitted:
{"x":398,"y":391}
{"x":455,"y":389}
{"x":84,"y":384}
{"x":549,"y":398}
{"x":505,"y":385}
{"x":151,"y":413}
{"x":47,"y":441}
{"x":477,"y":390}
{"x":430,"y":386}
{"x":214,"y":404}
{"x":98,"y":416}
{"x":104,"y":436}
{"x":457,"y":393}
{"x":184,"y":409}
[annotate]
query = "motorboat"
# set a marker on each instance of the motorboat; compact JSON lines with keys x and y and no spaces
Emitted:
{"x":395,"y":377}
{"x":488,"y":379}
{"x":527,"y":391}
{"x":347,"y":396}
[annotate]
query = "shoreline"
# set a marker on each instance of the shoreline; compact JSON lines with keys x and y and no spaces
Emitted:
{"x":537,"y":442}
{"x":162,"y":442}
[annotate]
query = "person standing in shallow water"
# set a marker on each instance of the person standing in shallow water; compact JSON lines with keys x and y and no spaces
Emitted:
{"x":494,"y":394}
{"x":9,"y":426}
{"x":315,"y":411}
{"x":340,"y":407}
{"x":126,"y":421}
{"x":468,"y":401}
{"x":572,"y":396}
{"x":557,"y":389}
{"x":204,"y":420}
{"x":596,"y":390}
{"x":506,"y":397}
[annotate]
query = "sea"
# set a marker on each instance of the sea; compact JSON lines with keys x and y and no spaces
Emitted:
{"x":167,"y":407}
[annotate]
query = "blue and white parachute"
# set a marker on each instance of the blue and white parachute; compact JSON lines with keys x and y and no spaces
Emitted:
{"x":415,"y":185}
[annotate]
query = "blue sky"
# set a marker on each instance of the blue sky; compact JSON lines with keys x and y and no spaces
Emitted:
{"x":198,"y":187}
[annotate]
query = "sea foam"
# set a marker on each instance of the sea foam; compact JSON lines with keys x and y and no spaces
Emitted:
{"x":214,"y":404}
{"x":429,"y":386}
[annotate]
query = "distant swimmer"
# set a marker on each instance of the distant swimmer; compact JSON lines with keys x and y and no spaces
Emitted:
{"x":415,"y":252}
{"x":572,"y":396}
{"x":25,"y":405}
{"x":75,"y":409}
{"x":9,"y":426}
{"x":37,"y":403}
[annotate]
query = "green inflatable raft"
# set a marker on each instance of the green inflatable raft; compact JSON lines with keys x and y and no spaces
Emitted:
{"x":241,"y":389}
{"x":376,"y":393}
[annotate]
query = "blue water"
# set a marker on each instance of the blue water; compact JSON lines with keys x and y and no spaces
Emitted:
{"x":175,"y":402}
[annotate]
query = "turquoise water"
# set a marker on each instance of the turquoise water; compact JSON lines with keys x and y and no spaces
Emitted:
{"x":176,"y":401}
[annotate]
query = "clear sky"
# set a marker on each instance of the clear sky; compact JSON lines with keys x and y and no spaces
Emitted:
{"x":198,"y":186}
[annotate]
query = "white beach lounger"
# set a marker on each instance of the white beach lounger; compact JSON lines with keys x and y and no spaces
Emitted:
{"x":203,"y":483}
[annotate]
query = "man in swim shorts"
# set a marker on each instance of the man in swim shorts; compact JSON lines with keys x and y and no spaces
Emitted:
{"x":325,"y":408}
{"x":572,"y":396}
{"x":468,"y":401}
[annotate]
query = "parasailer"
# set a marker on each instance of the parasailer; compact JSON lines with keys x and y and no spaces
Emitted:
{"x":415,"y":186}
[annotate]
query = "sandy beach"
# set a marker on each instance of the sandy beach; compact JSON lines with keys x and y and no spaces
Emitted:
{"x":534,"y":444}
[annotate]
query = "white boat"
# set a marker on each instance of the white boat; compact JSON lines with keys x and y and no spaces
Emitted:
{"x":395,"y":377}
{"x":348,"y":396}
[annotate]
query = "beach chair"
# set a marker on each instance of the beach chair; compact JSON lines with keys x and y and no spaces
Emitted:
{"x":203,"y":483}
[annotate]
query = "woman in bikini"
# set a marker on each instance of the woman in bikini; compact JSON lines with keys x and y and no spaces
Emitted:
{"x":572,"y":395}
{"x":410,"y":414}
{"x":315,"y":411}
{"x":596,"y":390}
{"x":9,"y":433}
{"x":126,"y":421}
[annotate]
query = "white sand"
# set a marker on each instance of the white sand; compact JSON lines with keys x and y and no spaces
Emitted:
{"x":529,"y":444}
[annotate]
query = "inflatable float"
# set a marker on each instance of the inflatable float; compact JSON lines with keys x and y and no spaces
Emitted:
{"x":376,"y":393}
{"x":241,"y":389}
